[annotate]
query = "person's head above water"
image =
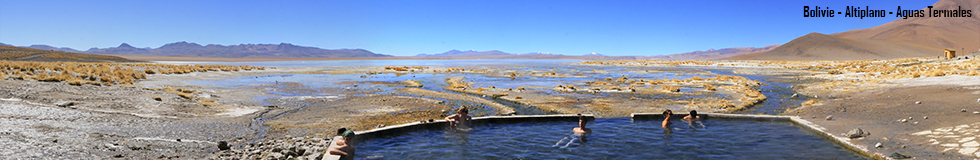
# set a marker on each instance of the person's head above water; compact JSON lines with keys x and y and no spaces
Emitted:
{"x":582,"y":120}
{"x":692,"y":116}
{"x":341,"y":131}
{"x":348,"y":134}
{"x":463,"y":110}
{"x":668,"y":113}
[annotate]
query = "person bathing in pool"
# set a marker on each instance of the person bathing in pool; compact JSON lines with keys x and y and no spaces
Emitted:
{"x":667,"y":115}
{"x":578,"y":134}
{"x":692,"y":116}
{"x":346,"y":150}
{"x":461,"y":118}
{"x":340,"y":132}
{"x":582,"y":121}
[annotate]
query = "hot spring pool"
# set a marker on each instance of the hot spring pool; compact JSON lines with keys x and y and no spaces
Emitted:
{"x":612,"y":138}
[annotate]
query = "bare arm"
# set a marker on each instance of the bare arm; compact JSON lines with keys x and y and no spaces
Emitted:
{"x":337,"y":151}
{"x":450,"y":118}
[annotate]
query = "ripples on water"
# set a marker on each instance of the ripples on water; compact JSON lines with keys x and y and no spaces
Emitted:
{"x":617,"y":138}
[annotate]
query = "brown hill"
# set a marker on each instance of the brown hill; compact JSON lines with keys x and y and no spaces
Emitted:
{"x":912,"y":37}
{"x":12,"y":53}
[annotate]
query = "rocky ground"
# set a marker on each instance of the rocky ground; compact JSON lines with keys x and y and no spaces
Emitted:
{"x":897,"y":117}
{"x":35,"y":129}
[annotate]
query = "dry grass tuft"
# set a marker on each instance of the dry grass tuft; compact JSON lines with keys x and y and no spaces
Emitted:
{"x":709,"y":87}
{"x":810,"y":102}
{"x":106,"y":73}
{"x":185,"y":95}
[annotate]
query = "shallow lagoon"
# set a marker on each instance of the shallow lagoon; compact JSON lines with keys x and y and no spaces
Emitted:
{"x":778,"y":93}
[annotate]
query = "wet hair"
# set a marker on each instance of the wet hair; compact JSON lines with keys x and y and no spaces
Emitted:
{"x":583,"y":118}
{"x":668,"y":113}
{"x":694,"y":114}
{"x":349,"y":134}
{"x":462,"y":109}
{"x":341,"y":131}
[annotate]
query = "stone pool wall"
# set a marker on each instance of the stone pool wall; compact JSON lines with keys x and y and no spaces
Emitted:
{"x":439,"y":124}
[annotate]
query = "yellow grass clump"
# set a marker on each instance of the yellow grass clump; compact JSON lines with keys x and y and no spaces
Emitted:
{"x":810,"y":102}
{"x":709,"y":87}
{"x":185,"y":95}
{"x":106,"y":73}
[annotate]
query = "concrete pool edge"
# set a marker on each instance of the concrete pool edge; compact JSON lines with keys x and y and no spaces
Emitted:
{"x":437,"y":124}
{"x":843,"y":141}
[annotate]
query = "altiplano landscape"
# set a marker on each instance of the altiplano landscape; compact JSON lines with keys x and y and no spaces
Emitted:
{"x":908,"y":88}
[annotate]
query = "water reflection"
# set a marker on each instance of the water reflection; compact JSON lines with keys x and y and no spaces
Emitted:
{"x":572,"y":140}
{"x":667,"y":135}
{"x":460,"y":134}
{"x":694,"y":124}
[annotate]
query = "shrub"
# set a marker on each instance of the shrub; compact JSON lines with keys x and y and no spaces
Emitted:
{"x":937,"y":72}
{"x":185,"y":95}
{"x":709,"y":87}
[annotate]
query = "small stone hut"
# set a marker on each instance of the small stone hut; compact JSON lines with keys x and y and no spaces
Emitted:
{"x":950,"y":54}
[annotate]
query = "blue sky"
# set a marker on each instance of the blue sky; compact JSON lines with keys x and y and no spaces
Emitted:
{"x":409,"y":27}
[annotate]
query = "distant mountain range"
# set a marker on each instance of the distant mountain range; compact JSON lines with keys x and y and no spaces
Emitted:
{"x":286,"y":50}
{"x":696,"y":55}
{"x":713,"y":54}
{"x":478,"y":53}
{"x":282,"y":50}
{"x":495,"y":54}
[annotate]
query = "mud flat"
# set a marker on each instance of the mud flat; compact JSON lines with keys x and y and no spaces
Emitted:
{"x":60,"y":121}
